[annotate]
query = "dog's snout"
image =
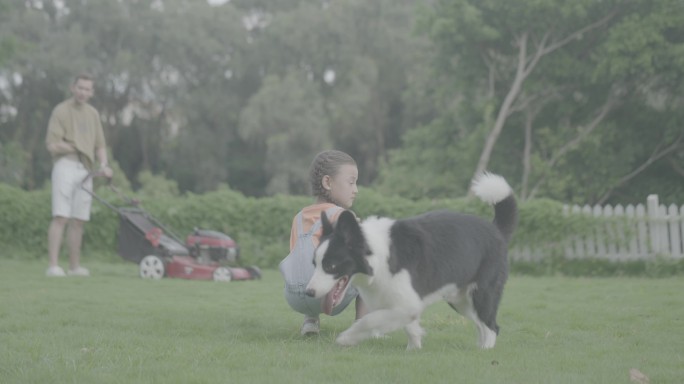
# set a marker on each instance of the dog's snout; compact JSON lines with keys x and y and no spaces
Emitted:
{"x":310,"y":292}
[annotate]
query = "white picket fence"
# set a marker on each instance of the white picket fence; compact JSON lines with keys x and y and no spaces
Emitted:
{"x":638,"y":233}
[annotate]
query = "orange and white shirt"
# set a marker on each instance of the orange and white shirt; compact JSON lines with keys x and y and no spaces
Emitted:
{"x":310,"y":215}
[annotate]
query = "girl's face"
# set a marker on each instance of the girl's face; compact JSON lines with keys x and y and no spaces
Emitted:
{"x":342,"y":187}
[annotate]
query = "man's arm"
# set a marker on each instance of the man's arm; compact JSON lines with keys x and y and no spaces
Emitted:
{"x":54,"y":140}
{"x":101,"y":154}
{"x":101,"y":147}
{"x":59,"y":148}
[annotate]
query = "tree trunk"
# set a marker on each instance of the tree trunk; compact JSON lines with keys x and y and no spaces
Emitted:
{"x":513,"y":93}
{"x":527,"y":163}
{"x":524,"y":68}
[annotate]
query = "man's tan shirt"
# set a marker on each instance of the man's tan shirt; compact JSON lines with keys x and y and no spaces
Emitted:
{"x":79,"y":125}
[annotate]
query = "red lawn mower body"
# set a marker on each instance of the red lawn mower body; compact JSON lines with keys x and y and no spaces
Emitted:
{"x":186,"y":267}
{"x":206,"y":254}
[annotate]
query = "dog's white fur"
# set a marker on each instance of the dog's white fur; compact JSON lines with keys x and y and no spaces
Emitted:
{"x":391,"y":298}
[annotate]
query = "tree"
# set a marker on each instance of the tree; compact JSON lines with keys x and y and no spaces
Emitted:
{"x":556,"y":95}
{"x":149,"y":60}
{"x":536,"y":70}
{"x":646,"y":51}
{"x":358,"y":53}
{"x":285,"y":120}
{"x":503,"y":43}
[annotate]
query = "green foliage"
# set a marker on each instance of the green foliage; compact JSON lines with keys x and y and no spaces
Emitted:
{"x":554,"y":265}
{"x":287,"y":121}
{"x":13,"y":163}
{"x":24,"y":219}
{"x":261,"y":226}
{"x":545,"y":223}
{"x":245,"y":93}
{"x":434,"y":162}
{"x":8,"y":43}
{"x":155,"y":186}
{"x":646,"y":44}
{"x":631,"y":64}
{"x":374,"y":203}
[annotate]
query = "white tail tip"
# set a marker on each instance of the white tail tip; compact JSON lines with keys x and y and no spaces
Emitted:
{"x":491,"y":188}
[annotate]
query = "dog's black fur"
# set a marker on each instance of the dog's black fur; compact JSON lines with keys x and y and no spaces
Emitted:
{"x":400,"y":267}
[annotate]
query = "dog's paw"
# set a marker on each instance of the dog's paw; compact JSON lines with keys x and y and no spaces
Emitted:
{"x":345,"y":339}
{"x":414,"y":345}
{"x":379,"y":335}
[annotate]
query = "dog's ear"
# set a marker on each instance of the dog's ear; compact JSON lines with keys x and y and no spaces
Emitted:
{"x":348,"y":227}
{"x":327,"y":226}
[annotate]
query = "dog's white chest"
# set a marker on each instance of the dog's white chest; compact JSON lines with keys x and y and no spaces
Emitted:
{"x":387,"y":291}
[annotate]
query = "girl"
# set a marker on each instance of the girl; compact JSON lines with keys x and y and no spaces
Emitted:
{"x":333,"y":175}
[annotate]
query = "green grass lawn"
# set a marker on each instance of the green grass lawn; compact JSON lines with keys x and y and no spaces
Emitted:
{"x":114,"y":327}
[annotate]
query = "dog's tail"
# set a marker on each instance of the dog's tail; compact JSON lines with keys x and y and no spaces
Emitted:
{"x":494,"y":189}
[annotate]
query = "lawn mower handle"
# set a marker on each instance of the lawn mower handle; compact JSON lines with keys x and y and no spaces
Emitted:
{"x":116,"y":190}
{"x":95,"y":174}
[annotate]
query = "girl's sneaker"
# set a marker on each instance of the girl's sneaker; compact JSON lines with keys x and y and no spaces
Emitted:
{"x":311,"y":326}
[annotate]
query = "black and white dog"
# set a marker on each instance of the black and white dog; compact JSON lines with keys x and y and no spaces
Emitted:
{"x":402,"y":266}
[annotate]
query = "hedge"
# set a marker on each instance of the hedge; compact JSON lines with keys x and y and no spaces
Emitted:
{"x":261,"y":226}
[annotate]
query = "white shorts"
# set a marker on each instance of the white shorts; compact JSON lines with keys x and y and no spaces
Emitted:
{"x":68,"y":197}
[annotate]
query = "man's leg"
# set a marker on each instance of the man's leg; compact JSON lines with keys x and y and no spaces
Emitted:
{"x":55,"y":235}
{"x":61,"y":206}
{"x":74,"y":239}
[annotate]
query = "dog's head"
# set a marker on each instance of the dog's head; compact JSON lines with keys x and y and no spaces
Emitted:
{"x":340,"y":255}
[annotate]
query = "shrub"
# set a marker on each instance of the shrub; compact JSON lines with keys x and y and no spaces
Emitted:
{"x":261,"y":226}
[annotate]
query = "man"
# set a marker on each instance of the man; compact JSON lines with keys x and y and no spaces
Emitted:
{"x":75,"y":140}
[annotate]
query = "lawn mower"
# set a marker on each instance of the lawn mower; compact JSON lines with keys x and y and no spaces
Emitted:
{"x":205,"y":255}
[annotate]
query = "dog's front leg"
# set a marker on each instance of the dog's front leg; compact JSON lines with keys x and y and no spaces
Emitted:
{"x":374,"y":324}
{"x":415,"y":335}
